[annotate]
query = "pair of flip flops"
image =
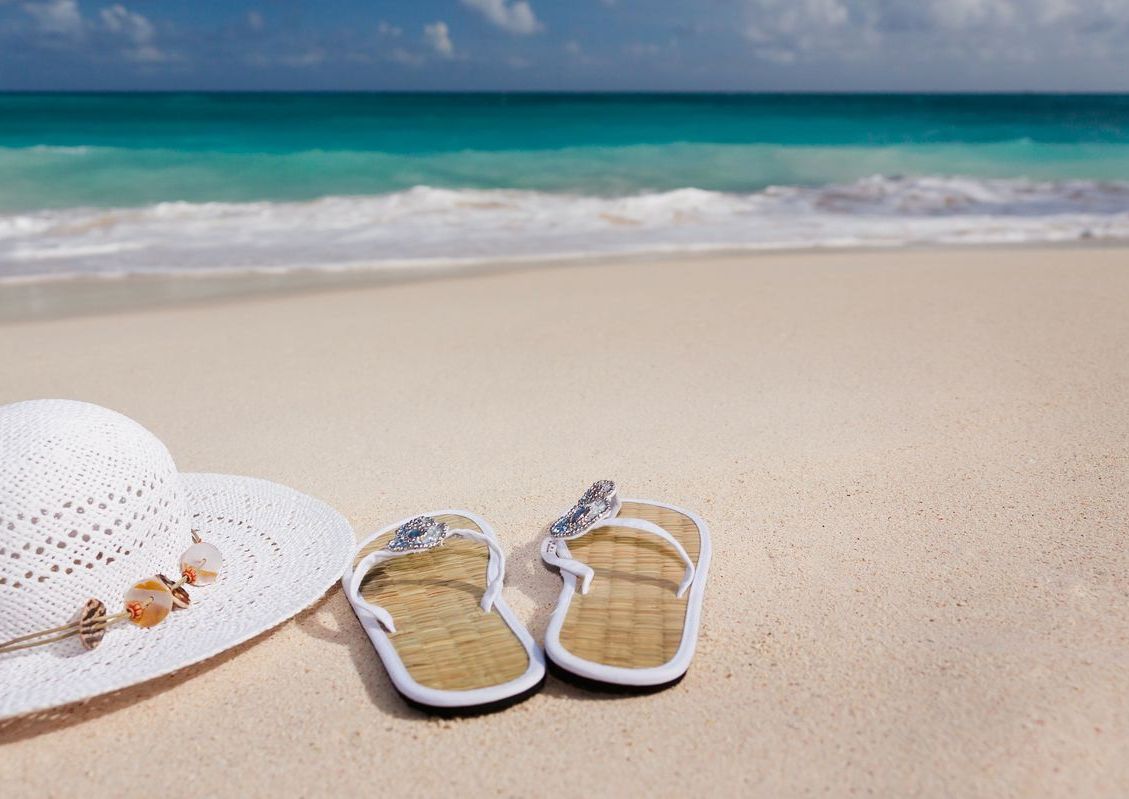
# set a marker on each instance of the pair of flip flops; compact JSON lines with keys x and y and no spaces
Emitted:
{"x":427,"y":591}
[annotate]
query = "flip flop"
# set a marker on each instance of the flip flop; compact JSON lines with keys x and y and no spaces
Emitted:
{"x":634,"y":574}
{"x":427,"y":590}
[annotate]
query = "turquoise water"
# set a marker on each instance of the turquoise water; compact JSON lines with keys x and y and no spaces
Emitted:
{"x":58,"y":151}
{"x":119,"y":184}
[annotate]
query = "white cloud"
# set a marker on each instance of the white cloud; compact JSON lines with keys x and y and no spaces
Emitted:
{"x":964,"y":14}
{"x":781,"y":29}
{"x":56,"y":17}
{"x":515,"y":17}
{"x":148,"y":54}
{"x":957,"y":32}
{"x":576,"y":53}
{"x":119,"y":19}
{"x":388,"y":29}
{"x":307,"y":58}
{"x":439,"y":38}
{"x":1051,"y":11}
{"x":138,"y":32}
{"x":255,"y":20}
{"x":405,"y":57}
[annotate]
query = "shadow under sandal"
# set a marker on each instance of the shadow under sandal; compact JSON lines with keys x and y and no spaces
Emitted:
{"x":634,"y":573}
{"x":427,"y":590}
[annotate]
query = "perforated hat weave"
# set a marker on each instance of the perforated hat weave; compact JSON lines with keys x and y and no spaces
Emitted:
{"x":91,"y":503}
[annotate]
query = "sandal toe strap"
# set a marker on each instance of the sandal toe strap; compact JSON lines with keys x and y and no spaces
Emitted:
{"x":495,"y":574}
{"x":555,"y":552}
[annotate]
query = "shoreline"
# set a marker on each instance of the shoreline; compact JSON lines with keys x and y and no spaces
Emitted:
{"x":47,"y":299}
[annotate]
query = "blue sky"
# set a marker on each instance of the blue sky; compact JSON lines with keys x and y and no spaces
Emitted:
{"x":729,"y":45}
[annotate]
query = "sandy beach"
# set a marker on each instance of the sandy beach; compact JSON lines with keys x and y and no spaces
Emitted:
{"x":914,"y":465}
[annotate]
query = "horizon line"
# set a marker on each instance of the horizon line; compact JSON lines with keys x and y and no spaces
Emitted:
{"x":607,"y":92}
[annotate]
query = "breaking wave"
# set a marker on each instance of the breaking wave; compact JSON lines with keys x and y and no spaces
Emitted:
{"x":441,"y":226}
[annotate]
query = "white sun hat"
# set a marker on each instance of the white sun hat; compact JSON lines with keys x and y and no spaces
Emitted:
{"x":91,"y":503}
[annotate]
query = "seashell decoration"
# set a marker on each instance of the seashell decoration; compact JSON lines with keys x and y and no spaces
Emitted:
{"x":180,"y":598}
{"x":201,"y":563}
{"x":92,"y":623}
{"x":148,"y":602}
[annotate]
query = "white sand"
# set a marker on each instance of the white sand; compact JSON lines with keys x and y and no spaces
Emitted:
{"x":915,"y":466}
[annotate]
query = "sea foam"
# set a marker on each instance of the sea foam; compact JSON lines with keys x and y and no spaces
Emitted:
{"x":432,"y":226}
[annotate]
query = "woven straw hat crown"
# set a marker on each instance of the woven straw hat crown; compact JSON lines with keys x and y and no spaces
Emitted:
{"x":90,"y":502}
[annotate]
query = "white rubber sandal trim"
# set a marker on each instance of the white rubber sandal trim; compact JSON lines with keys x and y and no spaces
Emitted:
{"x":434,"y":697}
{"x":619,"y":675}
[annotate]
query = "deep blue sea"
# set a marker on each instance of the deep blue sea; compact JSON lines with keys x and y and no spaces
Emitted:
{"x":112,"y":184}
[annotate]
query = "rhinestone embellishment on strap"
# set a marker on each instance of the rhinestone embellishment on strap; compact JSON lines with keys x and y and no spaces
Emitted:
{"x":597,"y":503}
{"x":422,"y":532}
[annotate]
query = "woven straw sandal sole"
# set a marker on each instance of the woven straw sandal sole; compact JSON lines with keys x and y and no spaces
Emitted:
{"x":631,"y":633}
{"x":447,"y":656}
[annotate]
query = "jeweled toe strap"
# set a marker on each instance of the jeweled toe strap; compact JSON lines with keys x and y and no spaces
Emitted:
{"x":599,"y":502}
{"x":599,"y":507}
{"x":419,"y":535}
{"x":422,"y":532}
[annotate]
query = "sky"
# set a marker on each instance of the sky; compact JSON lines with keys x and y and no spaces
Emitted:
{"x":571,"y":45}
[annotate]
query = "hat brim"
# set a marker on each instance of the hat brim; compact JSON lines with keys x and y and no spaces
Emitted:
{"x":282,"y":551}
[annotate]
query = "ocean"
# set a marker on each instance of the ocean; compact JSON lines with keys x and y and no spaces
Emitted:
{"x":118,"y":184}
